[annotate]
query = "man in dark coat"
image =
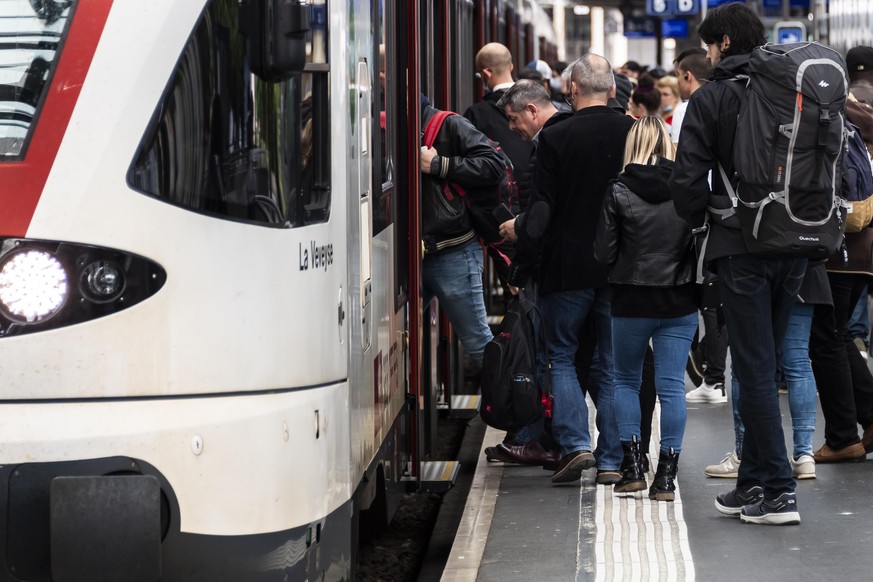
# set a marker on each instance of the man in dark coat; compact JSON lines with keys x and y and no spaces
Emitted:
{"x":757,"y":293}
{"x":576,"y":159}
{"x":528,"y":110}
{"x":494,"y":64}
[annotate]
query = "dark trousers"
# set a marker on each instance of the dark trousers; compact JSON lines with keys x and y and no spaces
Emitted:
{"x":757,"y":295}
{"x":845,"y":385}
{"x":713,"y":347}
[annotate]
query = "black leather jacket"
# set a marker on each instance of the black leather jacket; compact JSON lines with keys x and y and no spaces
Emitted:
{"x":639,"y":235}
{"x":466,"y":158}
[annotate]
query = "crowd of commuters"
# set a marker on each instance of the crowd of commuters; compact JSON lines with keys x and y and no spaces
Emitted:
{"x":617,"y":171}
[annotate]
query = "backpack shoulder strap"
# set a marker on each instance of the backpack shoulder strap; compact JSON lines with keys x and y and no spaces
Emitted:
{"x":737,"y":84}
{"x":434,"y":124}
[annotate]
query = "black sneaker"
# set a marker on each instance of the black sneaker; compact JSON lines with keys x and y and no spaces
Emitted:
{"x":779,"y":511}
{"x":732,"y":502}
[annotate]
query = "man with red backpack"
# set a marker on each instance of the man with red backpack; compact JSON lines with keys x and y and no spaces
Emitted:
{"x":456,"y":159}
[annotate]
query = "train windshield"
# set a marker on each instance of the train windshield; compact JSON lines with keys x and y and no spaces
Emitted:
{"x":227,"y":143}
{"x":31,"y":32}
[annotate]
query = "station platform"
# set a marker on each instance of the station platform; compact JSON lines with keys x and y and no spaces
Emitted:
{"x":518,"y":526}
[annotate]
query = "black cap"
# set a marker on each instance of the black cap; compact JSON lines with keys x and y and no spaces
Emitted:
{"x":623,"y":89}
{"x":860,"y":58}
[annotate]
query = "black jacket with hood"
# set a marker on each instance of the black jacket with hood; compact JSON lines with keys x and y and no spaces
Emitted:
{"x":465,"y":157}
{"x":707,"y":139}
{"x":646,"y":246}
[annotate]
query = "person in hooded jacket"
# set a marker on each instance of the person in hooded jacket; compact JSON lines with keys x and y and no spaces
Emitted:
{"x":647,"y":248}
{"x":757,"y":293}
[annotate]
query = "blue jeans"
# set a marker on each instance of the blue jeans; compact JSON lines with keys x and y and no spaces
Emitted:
{"x":859,"y":322}
{"x":671,"y":340}
{"x":801,"y":383}
{"x":455,"y":278}
{"x":758,"y":295}
{"x":564,"y":314}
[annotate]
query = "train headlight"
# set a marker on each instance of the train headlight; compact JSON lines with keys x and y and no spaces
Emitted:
{"x":102,"y":281}
{"x":33,"y":286}
{"x":52,"y":284}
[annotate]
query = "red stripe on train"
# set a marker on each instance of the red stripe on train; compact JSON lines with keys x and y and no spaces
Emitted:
{"x":22,"y":183}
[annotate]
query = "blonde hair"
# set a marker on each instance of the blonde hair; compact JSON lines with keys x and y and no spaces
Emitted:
{"x":670,"y":82}
{"x":648,"y":138}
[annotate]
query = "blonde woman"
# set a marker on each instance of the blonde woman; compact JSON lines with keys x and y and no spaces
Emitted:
{"x":648,"y":249}
{"x":668,"y":87}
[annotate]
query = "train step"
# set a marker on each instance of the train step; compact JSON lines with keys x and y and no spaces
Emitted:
{"x":438,"y":476}
{"x":462,"y":406}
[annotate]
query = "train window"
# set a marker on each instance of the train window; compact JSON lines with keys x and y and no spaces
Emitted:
{"x":427,"y":55}
{"x":385,"y":135}
{"x":227,"y":143}
{"x":462,"y":70}
{"x":317,"y":36}
{"x":32,"y":34}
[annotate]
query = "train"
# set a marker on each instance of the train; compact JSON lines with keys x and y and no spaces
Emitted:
{"x":216,"y":364}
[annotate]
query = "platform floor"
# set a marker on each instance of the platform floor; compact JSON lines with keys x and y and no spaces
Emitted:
{"x":517,"y":526}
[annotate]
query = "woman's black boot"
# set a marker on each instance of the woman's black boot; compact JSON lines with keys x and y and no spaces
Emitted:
{"x":664,"y":486}
{"x":632,"y":476}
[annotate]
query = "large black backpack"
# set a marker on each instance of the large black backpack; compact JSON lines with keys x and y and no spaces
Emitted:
{"x":513,"y":394}
{"x":789,"y":139}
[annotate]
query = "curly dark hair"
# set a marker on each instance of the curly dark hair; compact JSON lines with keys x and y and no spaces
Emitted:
{"x":739,"y":22}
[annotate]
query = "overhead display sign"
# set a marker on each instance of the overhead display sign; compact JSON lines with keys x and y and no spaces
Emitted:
{"x":717,"y":3}
{"x":792,"y":3}
{"x":672,"y":7}
{"x":674,"y":28}
{"x":640,"y":27}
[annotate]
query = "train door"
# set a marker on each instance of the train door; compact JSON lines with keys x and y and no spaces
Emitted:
{"x":365,"y":180}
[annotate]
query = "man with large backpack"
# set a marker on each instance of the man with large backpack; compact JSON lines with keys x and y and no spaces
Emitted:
{"x":757,"y":288}
{"x":455,"y":156}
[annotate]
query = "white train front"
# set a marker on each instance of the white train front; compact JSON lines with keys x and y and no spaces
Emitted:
{"x":202,"y":348}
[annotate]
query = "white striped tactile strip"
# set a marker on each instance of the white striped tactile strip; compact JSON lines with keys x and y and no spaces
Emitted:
{"x":637,"y":540}
{"x":665,"y":555}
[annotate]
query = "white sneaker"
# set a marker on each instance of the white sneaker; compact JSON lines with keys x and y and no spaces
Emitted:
{"x":727,"y":468}
{"x":709,"y":393}
{"x":803,"y":467}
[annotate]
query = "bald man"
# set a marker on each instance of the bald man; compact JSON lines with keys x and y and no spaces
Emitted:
{"x":494,"y":66}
